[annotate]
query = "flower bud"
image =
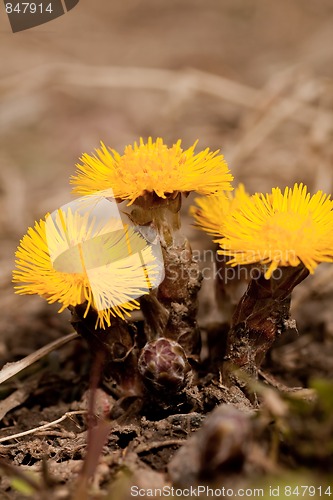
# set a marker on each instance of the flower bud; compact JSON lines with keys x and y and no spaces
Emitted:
{"x":163,"y":365}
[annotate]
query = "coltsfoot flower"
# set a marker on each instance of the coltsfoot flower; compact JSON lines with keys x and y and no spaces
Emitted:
{"x":152,"y":167}
{"x":280,"y":229}
{"x":211,"y":211}
{"x":72,"y":259}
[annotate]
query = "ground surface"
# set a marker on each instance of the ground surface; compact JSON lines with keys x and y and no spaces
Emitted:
{"x":254,"y":78}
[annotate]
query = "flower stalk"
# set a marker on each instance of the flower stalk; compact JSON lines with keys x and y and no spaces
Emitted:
{"x":260,"y":318}
{"x":175,"y":300}
{"x":117,"y":346}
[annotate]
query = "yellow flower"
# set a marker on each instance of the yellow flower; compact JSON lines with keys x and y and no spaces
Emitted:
{"x":280,"y":229}
{"x":69,"y":258}
{"x":154,"y":168}
{"x":213,"y":210}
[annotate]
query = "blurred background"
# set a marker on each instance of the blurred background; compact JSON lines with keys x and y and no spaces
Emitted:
{"x":252,"y":77}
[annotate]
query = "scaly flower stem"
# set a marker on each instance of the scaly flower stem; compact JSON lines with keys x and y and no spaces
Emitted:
{"x":259,"y":319}
{"x":177,"y":294}
{"x":117,"y":346}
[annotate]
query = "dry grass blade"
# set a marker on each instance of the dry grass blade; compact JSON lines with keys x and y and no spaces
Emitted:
{"x":194,"y":80}
{"x":18,"y":397}
{"x":68,"y":414}
{"x":11,"y":369}
{"x":189,"y":81}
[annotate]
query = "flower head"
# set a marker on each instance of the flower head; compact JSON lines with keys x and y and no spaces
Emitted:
{"x":280,"y":229}
{"x":70,"y":258}
{"x":212,"y":211}
{"x":163,"y":365}
{"x":152,"y":167}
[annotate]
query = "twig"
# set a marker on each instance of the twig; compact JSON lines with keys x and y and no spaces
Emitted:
{"x":273,"y":109}
{"x":68,"y":414}
{"x":190,"y":80}
{"x":18,"y":397}
{"x":257,"y":134}
{"x":11,"y":369}
{"x":195,"y":80}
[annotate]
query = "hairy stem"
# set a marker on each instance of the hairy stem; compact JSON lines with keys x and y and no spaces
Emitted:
{"x":177,"y":294}
{"x":116,"y":345}
{"x":259,"y":319}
